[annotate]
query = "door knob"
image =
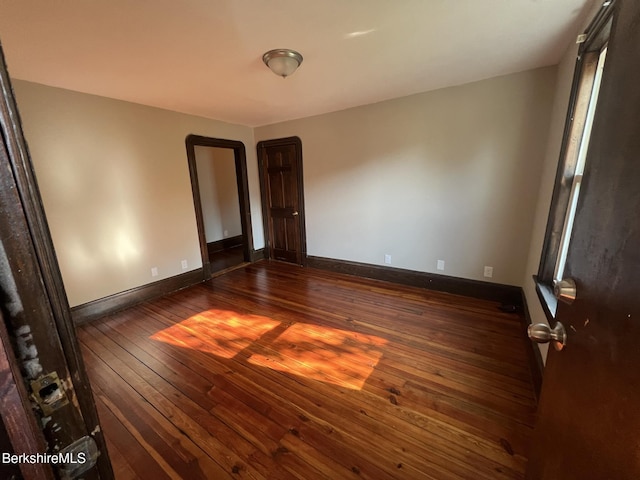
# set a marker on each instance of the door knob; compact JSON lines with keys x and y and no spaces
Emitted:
{"x":295,"y":214}
{"x":542,"y":333}
{"x":565,"y":290}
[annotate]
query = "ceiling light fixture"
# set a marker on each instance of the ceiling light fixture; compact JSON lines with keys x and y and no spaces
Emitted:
{"x":282,"y":61}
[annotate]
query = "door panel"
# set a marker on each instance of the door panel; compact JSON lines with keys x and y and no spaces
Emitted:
{"x":589,"y":414}
{"x":283,"y":204}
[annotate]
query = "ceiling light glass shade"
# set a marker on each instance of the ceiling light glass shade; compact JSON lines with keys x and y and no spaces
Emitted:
{"x":282,"y":62}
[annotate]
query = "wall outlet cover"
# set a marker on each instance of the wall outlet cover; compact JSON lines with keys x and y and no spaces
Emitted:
{"x":387,"y":259}
{"x":440,"y":265}
{"x":488,"y":272}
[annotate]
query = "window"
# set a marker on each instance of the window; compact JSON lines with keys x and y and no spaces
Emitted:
{"x":567,"y":228}
{"x":573,"y":156}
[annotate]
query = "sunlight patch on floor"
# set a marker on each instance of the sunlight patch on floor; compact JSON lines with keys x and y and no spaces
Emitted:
{"x":221,"y":332}
{"x":325,"y":354}
{"x":315,"y":352}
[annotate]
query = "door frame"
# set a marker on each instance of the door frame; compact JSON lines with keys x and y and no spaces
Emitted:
{"x":240,"y":156}
{"x":265,"y":201}
{"x":21,"y":425}
{"x":32,"y":278}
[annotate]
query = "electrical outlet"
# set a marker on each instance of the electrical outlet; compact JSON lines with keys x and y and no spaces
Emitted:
{"x":387,"y":259}
{"x":440,"y":265}
{"x":154,"y":271}
{"x":488,"y":271}
{"x":184,"y":264}
{"x":226,"y":233}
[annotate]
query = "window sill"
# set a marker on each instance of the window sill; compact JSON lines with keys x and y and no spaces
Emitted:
{"x":547,"y":299}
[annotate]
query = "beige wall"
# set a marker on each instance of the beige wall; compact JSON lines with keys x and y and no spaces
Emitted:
{"x":115,"y":185}
{"x":218,"y":192}
{"x":550,"y":166}
{"x":451,"y":174}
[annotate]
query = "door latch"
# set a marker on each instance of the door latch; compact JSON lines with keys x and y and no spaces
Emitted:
{"x":48,"y":393}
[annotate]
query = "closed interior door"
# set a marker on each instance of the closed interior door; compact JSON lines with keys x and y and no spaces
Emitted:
{"x":282,"y":196}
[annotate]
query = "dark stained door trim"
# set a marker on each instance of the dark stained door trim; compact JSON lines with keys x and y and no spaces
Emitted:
{"x":32,"y":295}
{"x":15,"y":407}
{"x":243,"y":194}
{"x":297,"y":143}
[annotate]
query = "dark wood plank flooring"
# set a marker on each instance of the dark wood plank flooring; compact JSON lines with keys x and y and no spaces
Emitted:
{"x":274,"y":371}
{"x":227,"y":258}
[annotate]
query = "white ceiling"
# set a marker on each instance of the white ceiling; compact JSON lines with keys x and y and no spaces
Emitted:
{"x":203,"y":57}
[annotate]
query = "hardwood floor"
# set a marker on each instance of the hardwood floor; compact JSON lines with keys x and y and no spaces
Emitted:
{"x":277,"y":371}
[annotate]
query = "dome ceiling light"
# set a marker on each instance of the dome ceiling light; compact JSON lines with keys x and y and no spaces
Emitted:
{"x":282,"y":61}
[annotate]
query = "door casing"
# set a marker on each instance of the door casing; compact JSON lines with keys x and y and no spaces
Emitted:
{"x":243,"y":194}
{"x":32,"y":295}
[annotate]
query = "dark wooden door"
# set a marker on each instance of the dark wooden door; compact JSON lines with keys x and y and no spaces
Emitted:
{"x":40,"y":359}
{"x":589,"y":413}
{"x":283,"y":199}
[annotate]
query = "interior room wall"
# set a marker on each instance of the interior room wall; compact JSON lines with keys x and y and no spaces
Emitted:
{"x":550,"y":166}
{"x":115,"y":184}
{"x":218,"y":192}
{"x":449,"y":175}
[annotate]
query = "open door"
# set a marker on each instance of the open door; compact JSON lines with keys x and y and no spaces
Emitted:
{"x":47,"y":404}
{"x":589,"y":414}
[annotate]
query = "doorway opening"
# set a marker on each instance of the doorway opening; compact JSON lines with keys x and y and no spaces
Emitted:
{"x":218,"y":170}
